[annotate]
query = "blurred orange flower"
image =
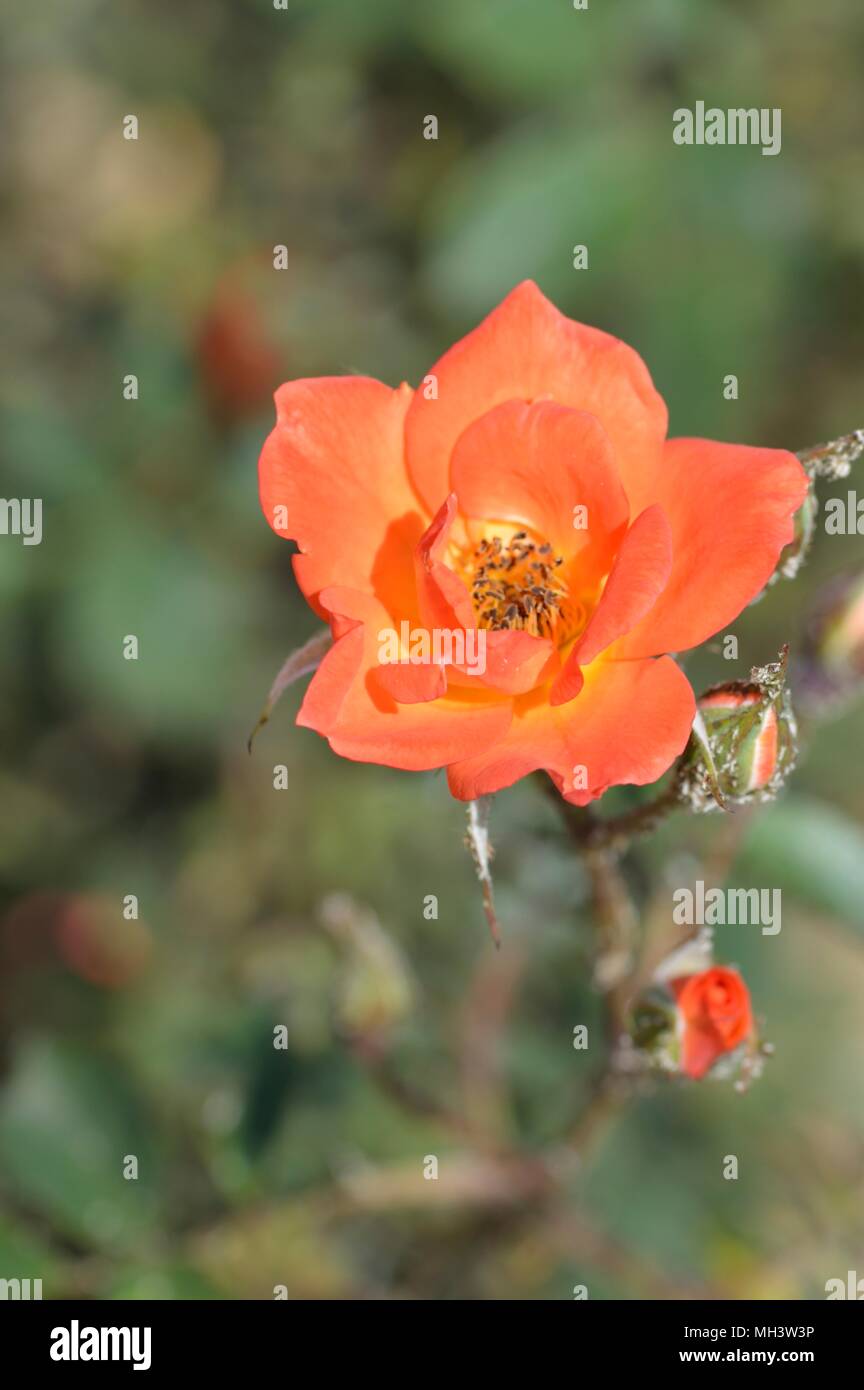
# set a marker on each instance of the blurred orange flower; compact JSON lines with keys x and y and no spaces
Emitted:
{"x":715,"y":1015}
{"x":237,"y":361}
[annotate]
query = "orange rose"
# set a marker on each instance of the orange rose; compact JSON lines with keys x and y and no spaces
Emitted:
{"x":714,"y":1015}
{"x":524,"y":506}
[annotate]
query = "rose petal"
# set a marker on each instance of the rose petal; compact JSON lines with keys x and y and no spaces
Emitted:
{"x":527,"y":350}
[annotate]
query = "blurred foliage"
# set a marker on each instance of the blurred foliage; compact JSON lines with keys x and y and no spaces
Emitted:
{"x":302,"y":1166}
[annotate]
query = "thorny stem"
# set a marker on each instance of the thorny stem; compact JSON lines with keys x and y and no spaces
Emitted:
{"x":616,"y":832}
{"x":598,"y":844}
{"x":614,"y":913}
{"x":616,"y":922}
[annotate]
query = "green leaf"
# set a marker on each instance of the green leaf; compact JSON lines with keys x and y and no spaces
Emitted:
{"x":66,"y":1125}
{"x":813,"y":853}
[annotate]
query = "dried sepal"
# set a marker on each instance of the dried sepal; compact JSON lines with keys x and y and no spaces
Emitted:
{"x":830,"y":462}
{"x":300,"y":663}
{"x":793,"y":555}
{"x":834,"y":459}
{"x":478,"y":842}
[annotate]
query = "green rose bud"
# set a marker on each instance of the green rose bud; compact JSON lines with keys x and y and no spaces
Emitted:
{"x":837,"y":635}
{"x":833,"y":663}
{"x":744,"y":741}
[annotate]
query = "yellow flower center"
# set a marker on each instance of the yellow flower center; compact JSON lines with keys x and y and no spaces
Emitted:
{"x":516,"y":585}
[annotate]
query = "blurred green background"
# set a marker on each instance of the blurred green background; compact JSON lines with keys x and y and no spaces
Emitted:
{"x":303,"y":907}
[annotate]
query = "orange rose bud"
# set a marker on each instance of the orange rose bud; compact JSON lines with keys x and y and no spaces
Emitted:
{"x":714,"y":1017}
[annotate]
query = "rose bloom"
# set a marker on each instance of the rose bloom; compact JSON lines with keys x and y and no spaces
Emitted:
{"x":525,"y":498}
{"x":714,"y":1017}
